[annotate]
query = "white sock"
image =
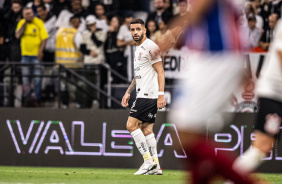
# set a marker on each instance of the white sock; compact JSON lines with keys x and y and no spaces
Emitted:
{"x":152,"y":145}
{"x":250,"y":161}
{"x":141,"y":144}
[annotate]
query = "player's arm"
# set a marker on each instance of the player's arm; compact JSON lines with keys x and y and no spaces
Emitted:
{"x":20,"y":31}
{"x":126,"y":96}
{"x":161,"y":80}
{"x":178,"y":25}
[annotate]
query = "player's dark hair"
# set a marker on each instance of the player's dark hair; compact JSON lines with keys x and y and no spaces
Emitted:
{"x":137,"y":21}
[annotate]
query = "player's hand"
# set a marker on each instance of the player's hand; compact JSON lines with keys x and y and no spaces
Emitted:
{"x":161,"y":102}
{"x":125,"y":99}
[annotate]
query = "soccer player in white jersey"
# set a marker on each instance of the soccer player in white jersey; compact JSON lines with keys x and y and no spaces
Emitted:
{"x":149,"y":81}
{"x":268,"y":120}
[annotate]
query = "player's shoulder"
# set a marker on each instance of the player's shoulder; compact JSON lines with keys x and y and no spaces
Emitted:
{"x":152,"y":49}
{"x":150,"y":45}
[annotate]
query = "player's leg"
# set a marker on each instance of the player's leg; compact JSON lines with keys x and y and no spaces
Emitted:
{"x":147,"y":129}
{"x":267,"y":126}
{"x":199,"y":105}
{"x":140,"y":141}
{"x":204,"y":163}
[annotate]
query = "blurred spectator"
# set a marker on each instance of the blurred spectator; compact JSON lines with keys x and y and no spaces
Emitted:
{"x":114,"y":55}
{"x":92,"y":45}
{"x":2,"y":39}
{"x":33,"y":35}
{"x":160,"y":12}
{"x":68,"y":42}
{"x":168,"y":5}
{"x":77,"y":10}
{"x":249,"y":9}
{"x":164,"y":32}
{"x":67,"y":53}
{"x":124,"y":40}
{"x":183,"y":8}
{"x":48,"y":86}
{"x":151,"y":29}
{"x":49,"y":22}
{"x":34,"y":4}
{"x":5,"y":6}
{"x":49,"y":4}
{"x":12,"y":19}
{"x":60,"y":5}
{"x":268,"y":34}
{"x":111,"y":6}
{"x":254,"y":32}
{"x":102,"y":21}
{"x":265,"y":11}
{"x":276,"y":7}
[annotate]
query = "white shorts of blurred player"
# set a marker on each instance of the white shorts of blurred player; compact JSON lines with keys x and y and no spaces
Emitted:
{"x":205,"y":92}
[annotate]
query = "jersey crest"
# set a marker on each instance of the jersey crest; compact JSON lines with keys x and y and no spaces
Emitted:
{"x":139,"y":56}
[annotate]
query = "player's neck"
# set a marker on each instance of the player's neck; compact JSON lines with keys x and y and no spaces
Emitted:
{"x":141,"y":41}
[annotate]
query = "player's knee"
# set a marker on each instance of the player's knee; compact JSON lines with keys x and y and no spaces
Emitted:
{"x":147,"y":131}
{"x":131,"y":126}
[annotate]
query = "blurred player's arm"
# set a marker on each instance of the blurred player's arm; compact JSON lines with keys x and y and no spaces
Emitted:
{"x":177,"y":25}
{"x":161,"y":80}
{"x":126,"y":96}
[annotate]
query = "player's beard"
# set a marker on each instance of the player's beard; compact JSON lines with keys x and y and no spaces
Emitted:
{"x":138,"y":40}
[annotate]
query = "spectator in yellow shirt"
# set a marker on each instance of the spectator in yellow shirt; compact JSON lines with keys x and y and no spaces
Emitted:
{"x":33,"y":37}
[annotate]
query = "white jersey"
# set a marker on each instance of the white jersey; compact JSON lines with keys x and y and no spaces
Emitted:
{"x":270,"y":80}
{"x":146,"y":55}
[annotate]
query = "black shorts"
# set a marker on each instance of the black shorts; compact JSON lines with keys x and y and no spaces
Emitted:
{"x":144,"y":109}
{"x":269,"y":116}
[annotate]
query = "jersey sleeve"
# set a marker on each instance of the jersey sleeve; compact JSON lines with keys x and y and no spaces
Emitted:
{"x":154,"y":54}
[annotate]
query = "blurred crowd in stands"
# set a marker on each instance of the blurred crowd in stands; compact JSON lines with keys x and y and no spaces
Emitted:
{"x":97,"y":31}
{"x":260,"y":18}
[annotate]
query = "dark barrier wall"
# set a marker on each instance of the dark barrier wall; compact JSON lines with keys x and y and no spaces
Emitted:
{"x":87,"y":138}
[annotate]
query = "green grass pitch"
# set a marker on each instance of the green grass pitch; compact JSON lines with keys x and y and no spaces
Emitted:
{"x":52,"y":175}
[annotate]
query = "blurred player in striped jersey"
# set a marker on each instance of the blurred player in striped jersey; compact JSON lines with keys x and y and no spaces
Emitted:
{"x":211,"y":32}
